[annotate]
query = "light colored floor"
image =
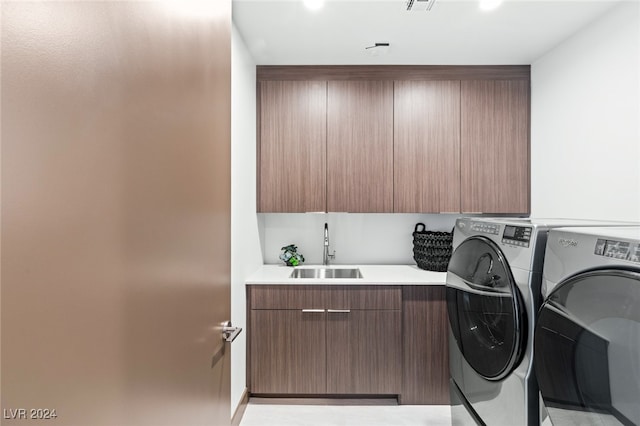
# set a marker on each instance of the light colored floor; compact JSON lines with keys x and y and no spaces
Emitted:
{"x":261,"y":413}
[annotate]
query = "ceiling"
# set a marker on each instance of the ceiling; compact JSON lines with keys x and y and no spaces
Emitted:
{"x":454,"y":32}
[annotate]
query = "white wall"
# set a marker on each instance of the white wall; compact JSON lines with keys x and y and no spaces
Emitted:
{"x":246,"y":256}
{"x":356,"y":238}
{"x":585,"y":122}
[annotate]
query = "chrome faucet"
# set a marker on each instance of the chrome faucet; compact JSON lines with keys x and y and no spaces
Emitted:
{"x":326,"y":255}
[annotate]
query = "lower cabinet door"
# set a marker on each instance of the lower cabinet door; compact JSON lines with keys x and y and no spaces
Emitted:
{"x":364,"y":352}
{"x":425,"y":328}
{"x":288,"y":352}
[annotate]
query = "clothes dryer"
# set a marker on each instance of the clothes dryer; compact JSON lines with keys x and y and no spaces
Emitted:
{"x":587,"y":338}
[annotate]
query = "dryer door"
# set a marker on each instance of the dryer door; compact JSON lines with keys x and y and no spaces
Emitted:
{"x":485,"y":308}
{"x":587,"y":349}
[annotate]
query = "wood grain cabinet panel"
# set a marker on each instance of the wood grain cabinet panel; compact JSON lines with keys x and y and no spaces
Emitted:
{"x":365,"y":297}
{"x":288,"y":349}
{"x":289,"y":297}
{"x":356,"y":350}
{"x":364,"y":352}
{"x":426,"y":146}
{"x":325,"y":296}
{"x":360,"y":146}
{"x":437,"y":139}
{"x":425,"y":378}
{"x":495,"y":146}
{"x":292,"y":146}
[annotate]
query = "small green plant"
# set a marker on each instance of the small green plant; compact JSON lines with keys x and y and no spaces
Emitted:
{"x":290,"y":255}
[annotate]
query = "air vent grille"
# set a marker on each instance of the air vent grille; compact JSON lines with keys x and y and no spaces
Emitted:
{"x":419,"y":5}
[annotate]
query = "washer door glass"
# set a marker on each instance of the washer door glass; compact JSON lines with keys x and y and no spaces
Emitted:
{"x":485,"y":308}
{"x":587,"y":349}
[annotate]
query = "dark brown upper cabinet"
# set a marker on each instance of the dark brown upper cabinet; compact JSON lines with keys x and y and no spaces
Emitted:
{"x":360,"y":146}
{"x":292,"y":157}
{"x":495,"y":146}
{"x":426,"y":146}
{"x":405,"y":139}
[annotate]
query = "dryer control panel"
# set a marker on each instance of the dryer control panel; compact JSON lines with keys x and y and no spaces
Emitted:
{"x":623,"y":250}
{"x":487,"y":228}
{"x":517,"y":235}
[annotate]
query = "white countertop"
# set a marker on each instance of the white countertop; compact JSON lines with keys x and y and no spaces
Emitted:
{"x":371,"y":275}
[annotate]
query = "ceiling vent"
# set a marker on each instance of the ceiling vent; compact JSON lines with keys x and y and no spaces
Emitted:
{"x":420,"y":5}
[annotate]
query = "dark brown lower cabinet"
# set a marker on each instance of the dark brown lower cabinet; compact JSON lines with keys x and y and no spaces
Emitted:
{"x":288,"y":348}
{"x":349,"y":340}
{"x":325,"y":340}
{"x":425,"y":378}
{"x":364,"y":352}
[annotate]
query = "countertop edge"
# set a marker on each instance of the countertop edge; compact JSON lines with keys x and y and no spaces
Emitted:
{"x":383,"y":275}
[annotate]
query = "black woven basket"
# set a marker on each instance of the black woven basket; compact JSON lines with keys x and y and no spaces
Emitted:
{"x":431,"y":249}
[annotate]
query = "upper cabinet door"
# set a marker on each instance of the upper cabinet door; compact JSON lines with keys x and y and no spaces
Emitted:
{"x":427,"y":146}
{"x":292,"y":150}
{"x":495,"y":146}
{"x":360,"y":146}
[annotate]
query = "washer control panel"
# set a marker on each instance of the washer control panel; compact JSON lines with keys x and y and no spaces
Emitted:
{"x":487,"y":228}
{"x":517,"y":235}
{"x":623,"y":250}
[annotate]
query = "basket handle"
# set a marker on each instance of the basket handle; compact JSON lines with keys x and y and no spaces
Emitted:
{"x":418,"y":225}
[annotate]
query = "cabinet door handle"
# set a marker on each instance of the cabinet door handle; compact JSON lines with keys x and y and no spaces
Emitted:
{"x":313,"y":310}
{"x":339,"y":311}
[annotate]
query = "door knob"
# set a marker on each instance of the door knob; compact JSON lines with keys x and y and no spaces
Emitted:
{"x":229,"y":332}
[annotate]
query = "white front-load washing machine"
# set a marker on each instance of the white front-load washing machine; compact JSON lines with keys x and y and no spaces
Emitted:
{"x":587,"y":338}
{"x":493,"y":295}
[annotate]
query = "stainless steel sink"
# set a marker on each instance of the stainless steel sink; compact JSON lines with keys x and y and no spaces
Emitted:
{"x":323,"y":273}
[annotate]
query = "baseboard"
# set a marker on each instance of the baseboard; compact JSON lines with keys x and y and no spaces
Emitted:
{"x":242,"y":406}
{"x":323,"y":400}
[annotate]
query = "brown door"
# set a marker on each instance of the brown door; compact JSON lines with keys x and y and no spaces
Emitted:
{"x":115,"y":213}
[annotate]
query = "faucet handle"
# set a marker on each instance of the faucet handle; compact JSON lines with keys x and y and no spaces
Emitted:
{"x":332,"y":256}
